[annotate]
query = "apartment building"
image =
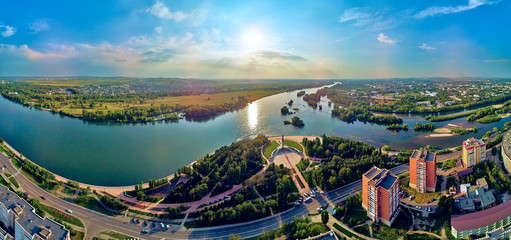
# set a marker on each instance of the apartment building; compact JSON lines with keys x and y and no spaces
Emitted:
{"x":23,"y":223}
{"x":474,"y":152}
{"x":380,"y":195}
{"x":423,"y":171}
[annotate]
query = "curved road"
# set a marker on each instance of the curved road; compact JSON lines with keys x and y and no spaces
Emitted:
{"x":96,"y":222}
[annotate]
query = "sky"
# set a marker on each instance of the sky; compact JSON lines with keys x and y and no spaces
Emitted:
{"x":256,"y":39}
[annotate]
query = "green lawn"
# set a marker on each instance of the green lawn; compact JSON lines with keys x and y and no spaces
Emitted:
{"x":14,"y":182}
{"x":5,"y":183}
{"x":63,"y":216}
{"x":303,"y":164}
{"x":268,"y":149}
{"x":345,"y":231}
{"x":293,"y":144}
{"x":418,"y":197}
{"x":117,"y":235}
{"x":68,"y":191}
{"x":91,"y":203}
{"x":448,"y":164}
{"x":400,"y":227}
{"x":364,"y":230}
{"x":419,"y":236}
{"x":78,"y":236}
{"x":358,"y":214}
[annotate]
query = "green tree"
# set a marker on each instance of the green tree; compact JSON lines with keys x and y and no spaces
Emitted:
{"x":494,"y":151}
{"x":1,"y":140}
{"x":235,"y":237}
{"x":284,"y":110}
{"x":324,"y":217}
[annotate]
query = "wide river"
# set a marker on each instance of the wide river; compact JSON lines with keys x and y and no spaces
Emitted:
{"x":124,"y":154}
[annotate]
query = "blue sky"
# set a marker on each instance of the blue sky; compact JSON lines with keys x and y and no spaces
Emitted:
{"x":256,"y":39}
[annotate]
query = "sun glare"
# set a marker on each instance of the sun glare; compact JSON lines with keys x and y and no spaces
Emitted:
{"x":252,"y":39}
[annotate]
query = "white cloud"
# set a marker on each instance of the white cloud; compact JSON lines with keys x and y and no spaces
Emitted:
{"x":385,"y":39}
{"x":160,"y":10}
{"x":502,"y":60}
{"x":39,"y":26}
{"x":8,"y":30}
{"x":369,"y":19}
{"x":437,"y":10}
{"x":427,"y":47}
{"x":158,"y":29}
{"x":358,"y":15}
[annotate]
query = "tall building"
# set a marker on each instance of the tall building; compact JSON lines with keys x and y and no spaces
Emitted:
{"x":380,"y":195}
{"x":505,"y":151}
{"x":423,"y":171}
{"x":474,"y":152}
{"x":23,"y":223}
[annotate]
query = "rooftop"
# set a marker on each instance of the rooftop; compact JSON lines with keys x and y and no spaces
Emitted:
{"x":472,"y":142}
{"x":388,"y":181}
{"x":423,"y":155}
{"x":27,"y":218}
{"x":506,"y":144}
{"x":484,"y":218}
{"x":381,"y":177}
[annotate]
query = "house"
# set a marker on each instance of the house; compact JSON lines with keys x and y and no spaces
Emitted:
{"x":464,"y":187}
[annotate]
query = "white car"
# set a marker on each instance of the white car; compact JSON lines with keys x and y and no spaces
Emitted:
{"x":69,"y":211}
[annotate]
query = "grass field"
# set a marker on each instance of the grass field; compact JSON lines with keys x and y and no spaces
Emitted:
{"x":201,"y":100}
{"x":364,"y":230}
{"x":65,"y":217}
{"x":117,"y":235}
{"x":68,"y":191}
{"x":419,"y":236}
{"x":268,"y":149}
{"x":358,"y":214}
{"x":448,"y":164}
{"x":398,"y":228}
{"x":293,"y":144}
{"x":419,"y":197}
{"x":345,"y":231}
{"x":93,"y":204}
{"x":78,"y":236}
{"x":14,"y":182}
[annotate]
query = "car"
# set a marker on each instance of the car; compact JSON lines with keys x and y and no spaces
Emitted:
{"x":69,"y":211}
{"x":144,"y":231}
{"x":320,"y":209}
{"x":168,"y":225}
{"x":456,"y":200}
{"x":428,"y":202}
{"x":429,"y":209}
{"x":410,"y":198}
{"x":307,"y":199}
{"x":43,"y":197}
{"x":322,"y":192}
{"x":306,"y":195}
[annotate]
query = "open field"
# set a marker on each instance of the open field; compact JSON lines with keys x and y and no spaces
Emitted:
{"x":192,"y":100}
{"x":293,"y":144}
{"x":269,"y":148}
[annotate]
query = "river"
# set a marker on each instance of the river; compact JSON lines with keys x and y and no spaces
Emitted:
{"x":112,"y":154}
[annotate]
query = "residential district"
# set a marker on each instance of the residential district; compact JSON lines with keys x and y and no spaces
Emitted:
{"x":464,"y":184}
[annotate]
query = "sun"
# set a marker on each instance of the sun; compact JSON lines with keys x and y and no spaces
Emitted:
{"x":252,"y":39}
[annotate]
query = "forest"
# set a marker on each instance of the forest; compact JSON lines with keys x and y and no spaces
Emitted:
{"x":246,"y":205}
{"x":344,"y":161}
{"x":216,"y":173}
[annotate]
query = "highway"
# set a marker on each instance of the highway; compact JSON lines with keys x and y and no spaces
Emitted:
{"x":96,"y":222}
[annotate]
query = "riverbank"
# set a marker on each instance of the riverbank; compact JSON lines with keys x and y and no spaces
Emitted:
{"x":110,"y":190}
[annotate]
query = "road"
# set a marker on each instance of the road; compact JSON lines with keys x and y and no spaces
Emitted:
{"x":338,"y":194}
{"x":96,"y":222}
